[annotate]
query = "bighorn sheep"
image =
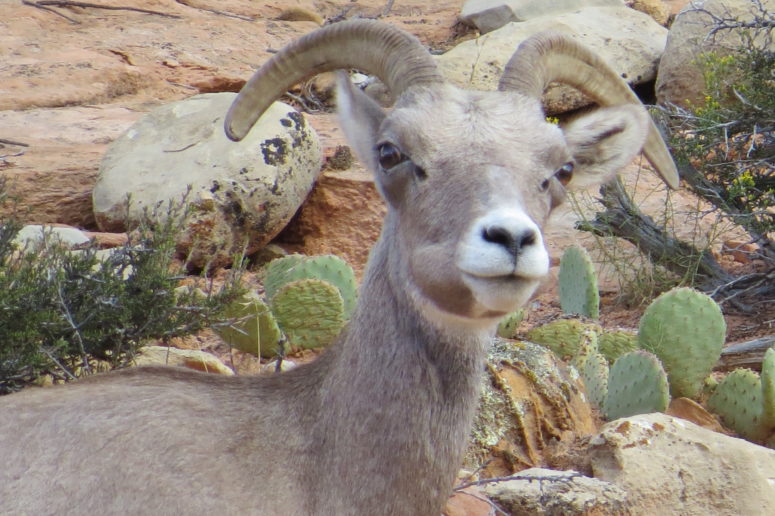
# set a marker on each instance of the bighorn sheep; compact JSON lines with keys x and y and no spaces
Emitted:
{"x":379,"y":422}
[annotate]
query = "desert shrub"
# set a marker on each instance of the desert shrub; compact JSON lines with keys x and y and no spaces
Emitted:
{"x":725,"y":153}
{"x":61,"y":311}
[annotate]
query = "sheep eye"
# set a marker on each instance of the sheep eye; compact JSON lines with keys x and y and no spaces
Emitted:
{"x":565,"y":173}
{"x":389,"y":156}
{"x":544,"y":185}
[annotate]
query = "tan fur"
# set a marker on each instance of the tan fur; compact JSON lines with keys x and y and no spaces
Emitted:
{"x":378,"y":424}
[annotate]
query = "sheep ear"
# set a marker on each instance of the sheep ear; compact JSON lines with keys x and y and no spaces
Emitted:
{"x":360,"y":117}
{"x":604,"y":141}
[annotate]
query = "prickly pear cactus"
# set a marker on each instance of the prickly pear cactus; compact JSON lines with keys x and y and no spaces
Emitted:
{"x":738,"y":400}
{"x":685,"y":329}
{"x":594,"y":372}
{"x":256,"y":330}
{"x":564,"y":336}
{"x":613,"y":344}
{"x":637,"y":384}
{"x":507,"y":328}
{"x":328,"y":268}
{"x":310,"y":312}
{"x":578,"y":284}
{"x":768,"y":387}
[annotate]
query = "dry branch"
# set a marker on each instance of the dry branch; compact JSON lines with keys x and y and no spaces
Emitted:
{"x":47,"y":4}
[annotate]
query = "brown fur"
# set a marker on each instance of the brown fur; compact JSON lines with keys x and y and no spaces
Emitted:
{"x":378,"y":424}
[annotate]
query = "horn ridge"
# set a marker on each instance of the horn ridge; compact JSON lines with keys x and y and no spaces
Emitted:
{"x":395,"y":56}
{"x":555,"y":57}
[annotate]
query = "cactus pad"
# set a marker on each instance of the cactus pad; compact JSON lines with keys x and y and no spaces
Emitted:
{"x":328,"y":268}
{"x":507,"y":328}
{"x":594,"y":372}
{"x":613,"y":344}
{"x":738,"y":400}
{"x":256,"y":330}
{"x":310,"y":312}
{"x":686,"y":330}
{"x":578,"y":284}
{"x":637,"y":384}
{"x":768,"y":387}
{"x":563,"y":337}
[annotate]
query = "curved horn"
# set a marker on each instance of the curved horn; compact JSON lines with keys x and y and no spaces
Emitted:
{"x":553,"y":56}
{"x":396,"y":57}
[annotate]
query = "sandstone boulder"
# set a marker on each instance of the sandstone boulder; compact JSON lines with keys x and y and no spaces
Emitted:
{"x":669,"y":466}
{"x":243,"y":193}
{"x":680,"y":80}
{"x":542,"y":492}
{"x":489,"y":15}
{"x":633,"y":50}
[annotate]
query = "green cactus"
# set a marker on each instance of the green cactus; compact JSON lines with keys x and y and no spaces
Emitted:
{"x":310,"y":312}
{"x":255,"y":331}
{"x":613,"y":344}
{"x":594,"y":372}
{"x":564,"y":336}
{"x":768,"y":388}
{"x":686,"y":330}
{"x":738,"y":400}
{"x":507,"y":328}
{"x":329,"y":268}
{"x":637,"y":384}
{"x":578,"y":284}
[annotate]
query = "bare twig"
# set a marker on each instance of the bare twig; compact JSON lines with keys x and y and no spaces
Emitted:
{"x":12,"y":142}
{"x":44,"y":4}
{"x":387,"y":8}
{"x":215,"y":11}
{"x":49,"y":9}
{"x":565,"y":478}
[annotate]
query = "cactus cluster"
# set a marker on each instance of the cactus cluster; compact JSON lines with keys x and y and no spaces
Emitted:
{"x":310,"y":298}
{"x":564,"y":336}
{"x":686,"y":330}
{"x":578,"y":284}
{"x":744,"y":400}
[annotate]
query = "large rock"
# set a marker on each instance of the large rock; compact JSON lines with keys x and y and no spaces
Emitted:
{"x":489,"y":15}
{"x":669,"y":466}
{"x":542,"y":492}
{"x":633,"y":49}
{"x":680,"y":80}
{"x":243,"y":193}
{"x":343,"y":216}
{"x":530,"y":401}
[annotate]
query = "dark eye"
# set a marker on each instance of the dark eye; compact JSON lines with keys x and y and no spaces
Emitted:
{"x":545,"y":185}
{"x":389,"y":156}
{"x":565,"y":173}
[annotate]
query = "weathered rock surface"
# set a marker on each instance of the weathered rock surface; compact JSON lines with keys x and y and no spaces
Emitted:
{"x":530,"y":398}
{"x":190,"y":358}
{"x":244,"y":193}
{"x":545,"y":492}
{"x":680,"y":80}
{"x":654,"y":8}
{"x":669,"y":466}
{"x":633,"y":53}
{"x":489,"y":15}
{"x":33,"y":235}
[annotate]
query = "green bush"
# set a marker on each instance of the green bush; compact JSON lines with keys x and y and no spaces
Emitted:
{"x":60,"y":309}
